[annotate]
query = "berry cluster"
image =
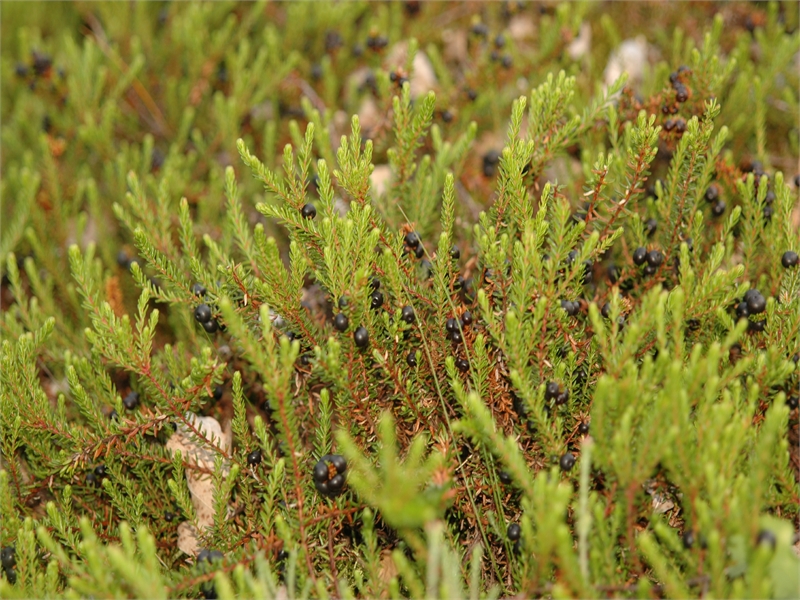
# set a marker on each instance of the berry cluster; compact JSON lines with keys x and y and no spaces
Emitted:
{"x":752,"y":303}
{"x":8,"y":558}
{"x":557,"y":392}
{"x":329,"y":475}
{"x":96,"y":476}
{"x":718,"y":205}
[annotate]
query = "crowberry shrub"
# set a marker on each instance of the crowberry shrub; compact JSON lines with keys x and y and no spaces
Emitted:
{"x":371,"y":292}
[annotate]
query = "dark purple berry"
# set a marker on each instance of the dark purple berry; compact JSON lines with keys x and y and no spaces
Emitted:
{"x":742,"y":312}
{"x":639,"y":256}
{"x":490,"y":161}
{"x":8,"y":557}
{"x":131,"y":401}
{"x":361,"y":337}
{"x":309,"y":211}
{"x":202,"y":313}
{"x":254,"y":458}
{"x":567,"y":461}
{"x":654,"y":258}
{"x":766,"y":537}
{"x":688,"y":539}
{"x":376,"y":300}
{"x":407,"y":314}
{"x":341,"y":322}
{"x":605,"y":311}
{"x":790,"y":259}
{"x":412,"y":240}
{"x":756,"y":303}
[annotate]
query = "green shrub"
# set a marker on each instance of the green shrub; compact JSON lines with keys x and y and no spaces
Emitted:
{"x":553,"y":376}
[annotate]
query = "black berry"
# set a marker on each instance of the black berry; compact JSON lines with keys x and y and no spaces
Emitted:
{"x":514,"y":532}
{"x":718,"y":208}
{"x":11,"y":575}
{"x":91,"y":479}
{"x":100,"y":471}
{"x":455,"y":253}
{"x":169,"y":516}
{"x":605,"y":311}
{"x":419,"y":251}
{"x":583,"y":428}
{"x":567,"y":461}
{"x":765,"y":536}
{"x":757,"y":326}
{"x":451,"y":325}
{"x":309,"y":211}
{"x":376,"y":301}
{"x":211,"y":326}
{"x":456,"y":337}
{"x":571,"y":308}
{"x":650,"y":227}
{"x":412,"y":240}
{"x":206,"y":555}
{"x":254,"y":458}
{"x":202,"y":313}
{"x":551,"y":390}
{"x":756,"y":303}
{"x":466,"y":318}
{"x":639,"y":256}
{"x":681,"y":93}
{"x":742,"y":312}
{"x":462,"y":364}
{"x":329,"y":475}
{"x":490,"y":161}
{"x":408,"y":314}
{"x":790,"y":259}
{"x":654,"y":258}
{"x":688,"y":538}
{"x":504,"y":477}
{"x":768,"y":212}
{"x":341,"y":322}
{"x":411,"y":359}
{"x":131,"y":401}
{"x":361,"y":337}
{"x":8,"y":557}
{"x":712,"y":193}
{"x":198,"y":289}
{"x":217,"y":393}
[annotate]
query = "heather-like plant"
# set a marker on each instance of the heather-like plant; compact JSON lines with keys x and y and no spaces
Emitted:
{"x":381,"y":364}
